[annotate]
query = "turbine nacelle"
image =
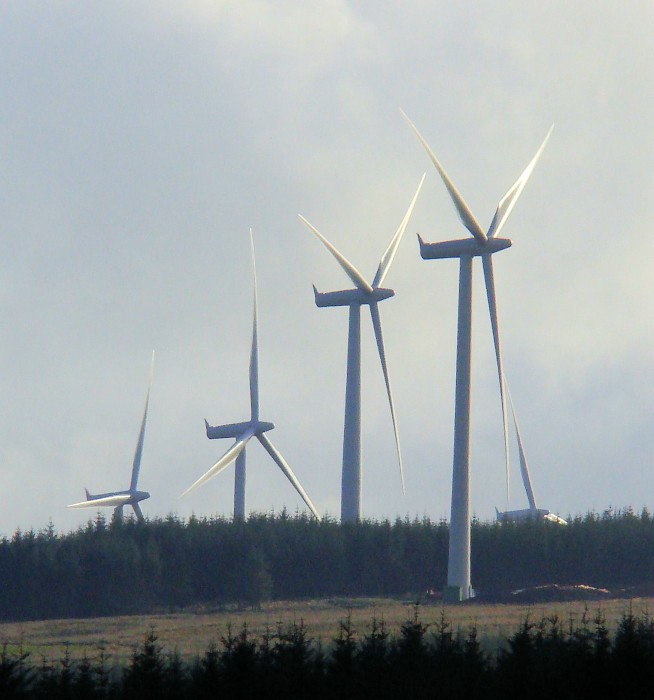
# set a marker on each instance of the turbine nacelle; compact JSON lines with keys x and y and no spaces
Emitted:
{"x":235,"y":430}
{"x":347,"y":297}
{"x":111,"y":499}
{"x":461,"y":247}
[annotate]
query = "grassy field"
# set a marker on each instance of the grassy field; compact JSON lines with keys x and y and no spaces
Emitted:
{"x":191,"y":633}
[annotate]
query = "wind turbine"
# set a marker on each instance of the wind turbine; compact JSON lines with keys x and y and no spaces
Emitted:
{"x":242,"y":432}
{"x":533,"y":512}
{"x":371,"y":295}
{"x":484,"y":245}
{"x":131,"y":497}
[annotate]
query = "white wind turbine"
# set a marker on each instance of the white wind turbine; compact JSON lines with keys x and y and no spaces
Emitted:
{"x":533,"y":511}
{"x":242,"y":432}
{"x":370,"y":295}
{"x":119,"y":499}
{"x":484,"y":245}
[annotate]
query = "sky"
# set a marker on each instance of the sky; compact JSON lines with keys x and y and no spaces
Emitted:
{"x":140,"y":141}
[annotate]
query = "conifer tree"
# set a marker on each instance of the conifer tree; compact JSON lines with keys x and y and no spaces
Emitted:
{"x":145,"y":677}
{"x":16,"y":677}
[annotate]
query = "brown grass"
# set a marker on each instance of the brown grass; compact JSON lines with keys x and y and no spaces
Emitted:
{"x":191,"y":632}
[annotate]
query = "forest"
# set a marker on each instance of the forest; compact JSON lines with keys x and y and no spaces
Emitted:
{"x":114,"y":568}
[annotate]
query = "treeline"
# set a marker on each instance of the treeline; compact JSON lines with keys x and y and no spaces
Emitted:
{"x":129,"y":567}
{"x":543,"y":659}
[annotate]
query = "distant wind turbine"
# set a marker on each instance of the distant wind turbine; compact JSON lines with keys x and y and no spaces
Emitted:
{"x":533,"y":512}
{"x":484,"y":245}
{"x":131,"y":497}
{"x":242,"y":432}
{"x":371,"y":295}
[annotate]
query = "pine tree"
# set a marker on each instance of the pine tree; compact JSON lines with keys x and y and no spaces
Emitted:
{"x":145,"y":677}
{"x":16,"y":677}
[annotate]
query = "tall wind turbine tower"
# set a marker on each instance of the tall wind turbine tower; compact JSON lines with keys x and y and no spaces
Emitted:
{"x":254,"y":427}
{"x":482,"y":244}
{"x":370,"y":295}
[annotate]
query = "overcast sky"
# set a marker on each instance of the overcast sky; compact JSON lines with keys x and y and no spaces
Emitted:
{"x":140,"y":141}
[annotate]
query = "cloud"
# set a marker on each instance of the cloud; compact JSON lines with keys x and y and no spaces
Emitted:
{"x":138,"y":147}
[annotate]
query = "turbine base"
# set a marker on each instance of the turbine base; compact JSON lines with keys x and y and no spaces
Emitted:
{"x":456,"y":594}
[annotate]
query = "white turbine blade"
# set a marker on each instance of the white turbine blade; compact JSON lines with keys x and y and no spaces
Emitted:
{"x":376,"y":322}
{"x":505,"y":207}
{"x":524,"y":467}
{"x":492,"y":308}
{"x":254,"y":352}
{"x":229,"y":456}
{"x":136,"y":466}
{"x":466,"y":215}
{"x":115,"y":500}
{"x":387,"y":257}
{"x":357,"y":278}
{"x":138,"y":511}
{"x":282,"y":464}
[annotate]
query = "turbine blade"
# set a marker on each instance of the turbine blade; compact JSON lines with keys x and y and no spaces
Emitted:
{"x":387,"y":257}
{"x":492,"y":308}
{"x":465,"y":214}
{"x":114,"y":500}
{"x":357,"y":278}
{"x":524,"y":467}
{"x":136,"y":466}
{"x":254,"y":352}
{"x":376,"y":322}
{"x":138,"y":511}
{"x":505,"y":207}
{"x":229,"y":456}
{"x":282,"y":464}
